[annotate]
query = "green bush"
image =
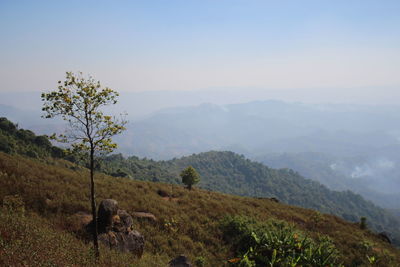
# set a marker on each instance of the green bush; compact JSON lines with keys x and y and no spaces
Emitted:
{"x":238,"y":232}
{"x":276,"y":244}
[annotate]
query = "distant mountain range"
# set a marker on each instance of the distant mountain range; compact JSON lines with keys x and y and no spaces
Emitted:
{"x":263,"y":127}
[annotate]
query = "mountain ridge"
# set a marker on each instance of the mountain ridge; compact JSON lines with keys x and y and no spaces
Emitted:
{"x":231,"y":173}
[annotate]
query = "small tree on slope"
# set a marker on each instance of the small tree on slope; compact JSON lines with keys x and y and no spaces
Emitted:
{"x":190,"y":177}
{"x":79,"y":101}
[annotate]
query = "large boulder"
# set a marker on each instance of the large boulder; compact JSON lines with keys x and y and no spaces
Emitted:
{"x":162,"y":193}
{"x":122,"y":222}
{"x":131,"y":241}
{"x":180,"y":261}
{"x":115,"y":229}
{"x":108,"y":208}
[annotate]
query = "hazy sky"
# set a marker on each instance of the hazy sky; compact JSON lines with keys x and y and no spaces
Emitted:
{"x":321,"y":47}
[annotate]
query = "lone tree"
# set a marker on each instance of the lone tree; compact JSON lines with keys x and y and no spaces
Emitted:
{"x":190,"y":177}
{"x":79,"y":101}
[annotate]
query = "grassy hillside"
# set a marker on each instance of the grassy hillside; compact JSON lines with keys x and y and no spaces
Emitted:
{"x":221,"y":171}
{"x":231,"y":173}
{"x":208,"y":227}
{"x":189,"y":223}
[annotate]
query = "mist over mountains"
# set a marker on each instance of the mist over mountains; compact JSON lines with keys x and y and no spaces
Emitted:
{"x":257,"y":128}
{"x":343,"y":146}
{"x":351,"y":146}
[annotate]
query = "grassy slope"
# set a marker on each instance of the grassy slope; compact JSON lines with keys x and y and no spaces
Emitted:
{"x":225,"y":172}
{"x":187,"y":225}
{"x":231,"y":173}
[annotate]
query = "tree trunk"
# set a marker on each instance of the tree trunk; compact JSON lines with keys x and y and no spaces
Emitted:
{"x":190,"y":187}
{"x":93,"y":202}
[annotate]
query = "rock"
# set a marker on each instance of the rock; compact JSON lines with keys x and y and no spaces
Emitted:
{"x":162,"y":193}
{"x":180,"y":261}
{"x":132,"y":242}
{"x":122,"y":222}
{"x":145,"y":216}
{"x":108,"y":208}
{"x":385,"y":237}
{"x":115,"y":229}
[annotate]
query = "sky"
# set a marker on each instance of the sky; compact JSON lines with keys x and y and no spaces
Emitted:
{"x":282,"y":49}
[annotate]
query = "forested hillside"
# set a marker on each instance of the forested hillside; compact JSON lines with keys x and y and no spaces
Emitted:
{"x":234,"y":174}
{"x":25,"y":142}
{"x":373,"y":175}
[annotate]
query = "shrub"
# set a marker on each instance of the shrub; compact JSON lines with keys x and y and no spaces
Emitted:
{"x":276,"y":244}
{"x":238,"y":231}
{"x":200,"y":261}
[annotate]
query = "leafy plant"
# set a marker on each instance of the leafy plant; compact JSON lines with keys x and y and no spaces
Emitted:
{"x":276,"y":244}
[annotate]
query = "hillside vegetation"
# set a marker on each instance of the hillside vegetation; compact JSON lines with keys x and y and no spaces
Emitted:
{"x":232,"y":173}
{"x":189,"y":222}
{"x":40,"y":195}
{"x":373,"y":175}
{"x":25,"y":142}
